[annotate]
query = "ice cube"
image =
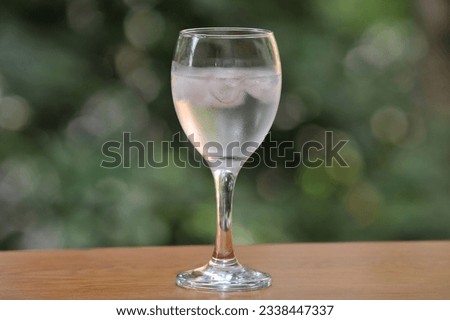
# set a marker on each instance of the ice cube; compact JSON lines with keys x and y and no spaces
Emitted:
{"x":226,"y":92}
{"x":261,"y":88}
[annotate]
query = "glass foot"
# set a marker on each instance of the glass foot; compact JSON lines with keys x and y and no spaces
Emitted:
{"x":223,"y":275}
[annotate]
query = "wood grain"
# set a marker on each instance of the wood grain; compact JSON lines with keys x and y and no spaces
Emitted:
{"x":389,"y":270}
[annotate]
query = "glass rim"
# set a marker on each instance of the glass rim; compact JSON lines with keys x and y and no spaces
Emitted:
{"x":226,"y":32}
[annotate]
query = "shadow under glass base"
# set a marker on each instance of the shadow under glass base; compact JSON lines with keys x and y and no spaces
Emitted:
{"x":223,"y":275}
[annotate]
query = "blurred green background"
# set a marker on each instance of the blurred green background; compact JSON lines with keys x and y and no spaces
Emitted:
{"x":75,"y":74}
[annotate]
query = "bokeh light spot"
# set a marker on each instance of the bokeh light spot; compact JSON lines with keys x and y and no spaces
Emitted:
{"x":389,"y":125}
{"x":316,"y":182}
{"x":144,"y":27}
{"x":14,"y":113}
{"x":17,"y":180}
{"x":417,"y":131}
{"x":145,"y":82}
{"x":102,"y":114}
{"x":83,"y":16}
{"x":382,"y":45}
{"x":128,"y":58}
{"x":351,"y":174}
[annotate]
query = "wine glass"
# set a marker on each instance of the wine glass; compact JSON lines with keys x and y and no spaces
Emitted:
{"x":226,"y":84}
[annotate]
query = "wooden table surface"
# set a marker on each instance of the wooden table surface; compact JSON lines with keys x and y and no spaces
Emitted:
{"x":372,"y":270}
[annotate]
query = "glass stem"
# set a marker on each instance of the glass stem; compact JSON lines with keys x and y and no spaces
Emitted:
{"x":224,"y":181}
